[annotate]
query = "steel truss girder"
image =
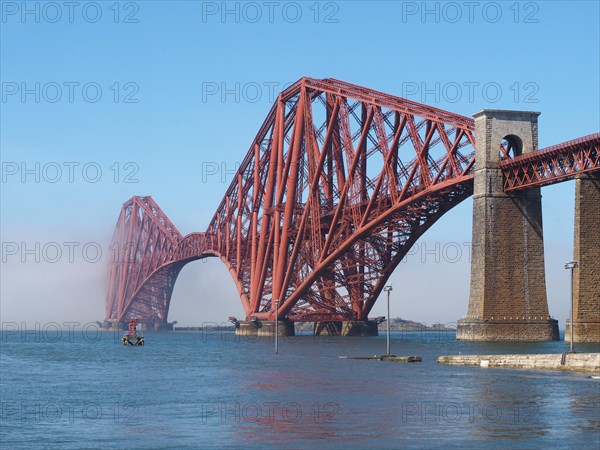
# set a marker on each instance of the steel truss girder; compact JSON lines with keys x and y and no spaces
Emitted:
{"x":305,"y":219}
{"x":553,"y":164}
{"x":338,"y":184}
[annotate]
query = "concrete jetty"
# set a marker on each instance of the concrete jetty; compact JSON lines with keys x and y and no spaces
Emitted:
{"x":576,"y":362}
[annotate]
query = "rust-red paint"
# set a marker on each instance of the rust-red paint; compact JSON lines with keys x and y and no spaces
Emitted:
{"x":337,"y":186}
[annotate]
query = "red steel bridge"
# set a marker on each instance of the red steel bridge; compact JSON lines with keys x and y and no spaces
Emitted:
{"x":337,"y":186}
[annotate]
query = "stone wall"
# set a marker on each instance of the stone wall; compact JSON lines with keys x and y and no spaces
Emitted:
{"x":264,"y":328}
{"x":586,"y":251}
{"x":508,"y":286}
{"x":508,"y":330}
{"x":583,"y":362}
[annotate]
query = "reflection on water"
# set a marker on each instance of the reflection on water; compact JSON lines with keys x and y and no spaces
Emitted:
{"x":585,"y":410}
{"x":512,"y":407}
{"x":214,"y":390}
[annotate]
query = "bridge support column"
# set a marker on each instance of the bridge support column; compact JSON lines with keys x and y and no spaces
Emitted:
{"x":264,"y":328}
{"x":144,"y":326}
{"x":586,"y":251}
{"x":156,"y":326}
{"x":508,"y":286}
{"x":346,"y":328}
{"x":327,"y":329}
{"x":359,"y":328}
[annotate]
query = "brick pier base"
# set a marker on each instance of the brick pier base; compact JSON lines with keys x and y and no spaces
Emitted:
{"x":346,"y":328}
{"x":507,"y":330}
{"x":264,"y":328}
{"x":586,"y":251}
{"x":507,"y":299}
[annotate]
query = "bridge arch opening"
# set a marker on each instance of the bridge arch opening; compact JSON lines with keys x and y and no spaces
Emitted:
{"x":431,"y":282}
{"x":511,"y":146}
{"x":204,"y":295}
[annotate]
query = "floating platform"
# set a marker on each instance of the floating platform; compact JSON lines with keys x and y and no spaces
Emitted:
{"x":576,"y":362}
{"x":393,"y":358}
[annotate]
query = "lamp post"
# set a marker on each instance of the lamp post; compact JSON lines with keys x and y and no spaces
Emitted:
{"x":571,"y":265}
{"x":276,"y":327}
{"x":388,"y":289}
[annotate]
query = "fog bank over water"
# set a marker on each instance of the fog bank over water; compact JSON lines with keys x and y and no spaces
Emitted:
{"x":59,"y":274}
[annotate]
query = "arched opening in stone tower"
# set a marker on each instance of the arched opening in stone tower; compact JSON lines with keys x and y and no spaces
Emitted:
{"x":511,"y":146}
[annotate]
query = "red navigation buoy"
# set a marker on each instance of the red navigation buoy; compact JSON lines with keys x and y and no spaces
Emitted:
{"x":132,"y":337}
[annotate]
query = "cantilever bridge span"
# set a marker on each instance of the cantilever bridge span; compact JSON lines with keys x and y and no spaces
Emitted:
{"x":337,"y":186}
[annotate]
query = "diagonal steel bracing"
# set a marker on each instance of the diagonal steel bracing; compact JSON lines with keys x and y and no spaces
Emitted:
{"x":337,"y":186}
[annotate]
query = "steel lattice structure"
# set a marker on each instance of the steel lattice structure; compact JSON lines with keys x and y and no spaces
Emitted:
{"x":557,"y":163}
{"x":337,"y":186}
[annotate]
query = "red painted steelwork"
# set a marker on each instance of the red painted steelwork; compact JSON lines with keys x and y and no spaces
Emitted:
{"x":553,"y":164}
{"x":337,"y":186}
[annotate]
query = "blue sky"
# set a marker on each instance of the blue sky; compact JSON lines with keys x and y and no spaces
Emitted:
{"x":154,"y":81}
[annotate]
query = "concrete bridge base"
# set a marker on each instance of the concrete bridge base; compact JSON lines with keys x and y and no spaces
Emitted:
{"x":144,"y":326}
{"x":327,"y":329}
{"x":507,"y":330}
{"x":359,"y":328}
{"x":346,"y":328}
{"x":264,"y":328}
{"x":156,"y":326}
{"x":583,"y":332}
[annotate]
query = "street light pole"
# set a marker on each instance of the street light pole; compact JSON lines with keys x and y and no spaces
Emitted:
{"x":571,"y":265}
{"x":388,"y":289}
{"x":276,"y":327}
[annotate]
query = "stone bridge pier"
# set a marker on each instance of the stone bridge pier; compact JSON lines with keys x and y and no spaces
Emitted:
{"x":586,"y":251}
{"x":508,"y":286}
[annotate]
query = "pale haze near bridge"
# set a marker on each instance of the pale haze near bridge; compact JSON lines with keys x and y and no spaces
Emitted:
{"x":431,"y":285}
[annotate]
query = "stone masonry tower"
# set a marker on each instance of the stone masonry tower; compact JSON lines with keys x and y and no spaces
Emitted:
{"x":508,"y":284}
{"x":586,"y":251}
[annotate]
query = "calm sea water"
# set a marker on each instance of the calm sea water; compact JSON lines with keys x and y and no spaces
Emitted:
{"x":213,"y":390}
